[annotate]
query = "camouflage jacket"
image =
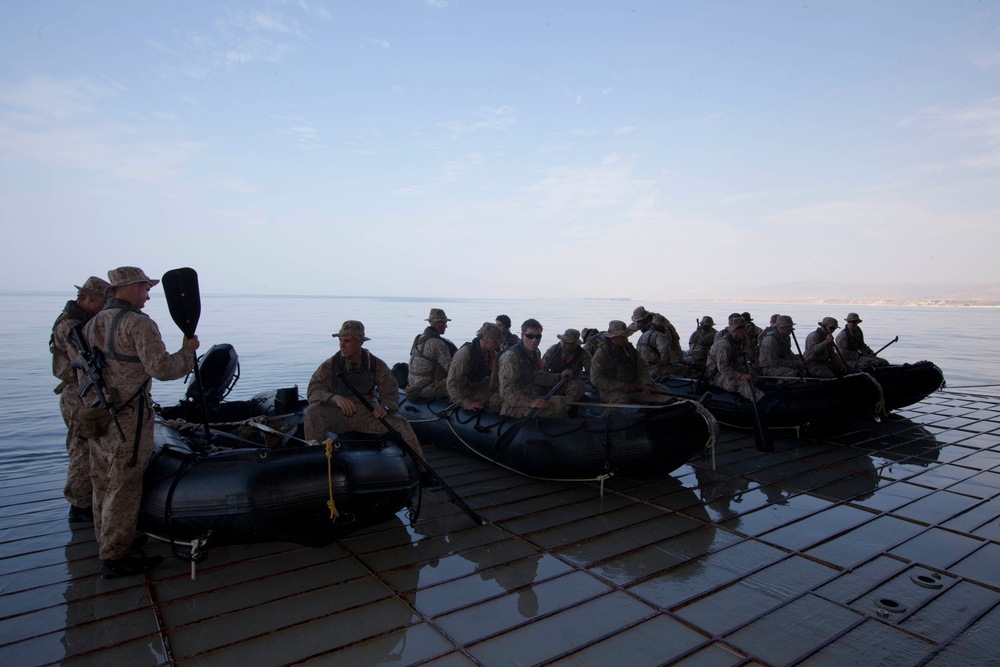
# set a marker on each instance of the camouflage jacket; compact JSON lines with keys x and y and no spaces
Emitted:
{"x":370,"y":375}
{"x":521,"y":377}
{"x":63,"y":352}
{"x":134,"y":349}
{"x":613,"y":367}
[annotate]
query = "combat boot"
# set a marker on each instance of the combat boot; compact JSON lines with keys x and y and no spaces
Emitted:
{"x":80,"y":514}
{"x":127,"y":566}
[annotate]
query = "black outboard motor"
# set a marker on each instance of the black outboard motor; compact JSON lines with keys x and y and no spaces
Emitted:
{"x":220,"y":369}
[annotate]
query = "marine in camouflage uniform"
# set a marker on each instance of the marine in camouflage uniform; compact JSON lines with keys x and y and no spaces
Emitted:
{"x":851,"y":342}
{"x":821,"y":354}
{"x":333,"y":406}
{"x":752,"y":338}
{"x":430,"y":357}
{"x":661,"y":350}
{"x":79,"y":490}
{"x":726,"y":367}
{"x":523,"y":383}
{"x":134,"y":351}
{"x":568,"y":354}
{"x":776,"y":356}
{"x":701,"y":339}
{"x":619,"y":373}
{"x":510,"y":339}
{"x":473,"y":380}
{"x":591,"y":339}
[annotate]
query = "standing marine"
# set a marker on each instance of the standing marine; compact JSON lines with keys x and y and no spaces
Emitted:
{"x":89,"y":301}
{"x":134,"y":353}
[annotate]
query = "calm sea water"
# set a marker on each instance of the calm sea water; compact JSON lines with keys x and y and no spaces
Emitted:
{"x":281,"y":341}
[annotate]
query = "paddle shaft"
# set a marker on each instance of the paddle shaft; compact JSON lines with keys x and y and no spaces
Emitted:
{"x":800,"y":352}
{"x":887,"y":345}
{"x":761,"y":436}
{"x":398,"y":437}
{"x":509,"y":434}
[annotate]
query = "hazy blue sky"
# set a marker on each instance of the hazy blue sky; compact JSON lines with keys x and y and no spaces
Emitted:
{"x":459,"y":148}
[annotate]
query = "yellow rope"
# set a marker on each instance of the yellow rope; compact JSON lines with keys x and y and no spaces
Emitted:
{"x":329,"y":478}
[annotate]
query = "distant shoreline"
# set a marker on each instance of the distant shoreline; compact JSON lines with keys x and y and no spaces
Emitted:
{"x":941,"y":303}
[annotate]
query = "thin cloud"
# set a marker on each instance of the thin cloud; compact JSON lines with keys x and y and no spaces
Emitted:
{"x":487,"y":118}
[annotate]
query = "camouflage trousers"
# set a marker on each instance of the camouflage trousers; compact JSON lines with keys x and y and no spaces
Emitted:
{"x":78,"y":490}
{"x":741,"y":387}
{"x":430,"y":390}
{"x":819,"y":369}
{"x":574,"y":389}
{"x":864,"y":362}
{"x":320,"y":418}
{"x":623,"y":397}
{"x":556,"y":406}
{"x":779,"y":371}
{"x":117,"y":487}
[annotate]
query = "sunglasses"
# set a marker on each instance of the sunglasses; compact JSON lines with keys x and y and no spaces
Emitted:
{"x":532,"y":336}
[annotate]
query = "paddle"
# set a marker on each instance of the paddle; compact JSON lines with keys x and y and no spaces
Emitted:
{"x":887,"y":345}
{"x":761,"y":436}
{"x":800,"y":353}
{"x":180,"y":287}
{"x":398,"y":437}
{"x":508,"y":435}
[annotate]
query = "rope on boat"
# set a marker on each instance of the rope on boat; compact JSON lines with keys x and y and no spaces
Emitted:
{"x":599,"y":478}
{"x":334,"y":514}
{"x":974,"y":386}
{"x":880,"y":405}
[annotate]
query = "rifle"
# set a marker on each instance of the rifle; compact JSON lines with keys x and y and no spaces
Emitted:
{"x":91,"y":366}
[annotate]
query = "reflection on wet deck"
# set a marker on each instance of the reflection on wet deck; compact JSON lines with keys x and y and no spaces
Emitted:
{"x":877,"y":544}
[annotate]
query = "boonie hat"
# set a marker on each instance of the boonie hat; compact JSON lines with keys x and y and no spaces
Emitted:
{"x":572,"y":337}
{"x":706,"y":321}
{"x":829,"y":322}
{"x":736,"y":323}
{"x":784,"y":321}
{"x":491,"y":333}
{"x":617,"y":328}
{"x":437,"y":315}
{"x":352,"y":328}
{"x":94,"y":288}
{"x":853,"y":317}
{"x":639,"y":313}
{"x":747,"y":318}
{"x":127,"y":275}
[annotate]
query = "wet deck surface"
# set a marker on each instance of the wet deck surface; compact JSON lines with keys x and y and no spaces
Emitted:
{"x":877,"y":544}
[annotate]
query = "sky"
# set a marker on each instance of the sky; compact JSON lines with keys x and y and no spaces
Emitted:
{"x":460,"y":148}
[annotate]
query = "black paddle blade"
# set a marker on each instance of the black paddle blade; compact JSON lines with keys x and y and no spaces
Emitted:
{"x":180,"y":286}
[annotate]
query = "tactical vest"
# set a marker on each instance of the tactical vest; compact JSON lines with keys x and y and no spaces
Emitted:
{"x":624,"y":361}
{"x":361,"y":378}
{"x":60,"y":358}
{"x":649,"y":351}
{"x":574,"y":363}
{"x":784,"y":346}
{"x":479,"y":369}
{"x":526,"y":367}
{"x":124,"y":307}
